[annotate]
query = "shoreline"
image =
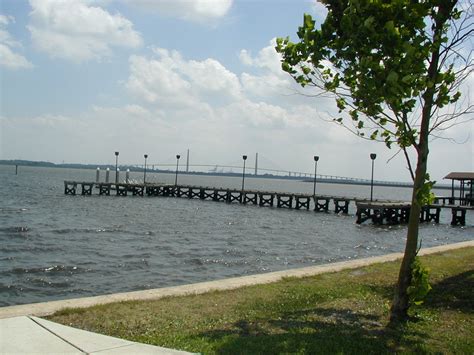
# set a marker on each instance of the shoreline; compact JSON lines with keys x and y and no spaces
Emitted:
{"x":47,"y":308}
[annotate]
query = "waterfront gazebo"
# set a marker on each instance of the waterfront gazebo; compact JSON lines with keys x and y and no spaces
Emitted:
{"x":466,"y":182}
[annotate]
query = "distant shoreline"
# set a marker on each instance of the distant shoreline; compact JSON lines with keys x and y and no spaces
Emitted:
{"x":344,"y":181}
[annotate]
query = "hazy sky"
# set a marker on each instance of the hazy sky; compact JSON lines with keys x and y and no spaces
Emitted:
{"x":81,"y":79}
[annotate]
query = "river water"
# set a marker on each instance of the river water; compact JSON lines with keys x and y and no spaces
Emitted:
{"x":54,"y":246}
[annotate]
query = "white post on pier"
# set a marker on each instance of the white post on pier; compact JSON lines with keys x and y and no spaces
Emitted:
{"x":118,"y":176}
{"x":187,"y":162}
{"x":97,"y":175}
{"x":107,"y":175}
{"x":256,"y":164}
{"x":127,"y":176}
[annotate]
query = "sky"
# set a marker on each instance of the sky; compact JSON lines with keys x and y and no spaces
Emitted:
{"x":82,"y":79}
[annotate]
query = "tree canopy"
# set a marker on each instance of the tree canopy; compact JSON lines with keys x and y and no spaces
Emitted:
{"x":376,"y":57}
{"x":395,"y":68}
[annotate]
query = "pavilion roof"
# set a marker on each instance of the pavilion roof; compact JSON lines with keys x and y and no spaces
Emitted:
{"x":460,"y":176}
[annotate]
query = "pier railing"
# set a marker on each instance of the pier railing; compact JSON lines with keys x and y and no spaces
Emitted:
{"x":463,"y":201}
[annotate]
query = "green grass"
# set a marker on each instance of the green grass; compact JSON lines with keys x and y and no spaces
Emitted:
{"x":344,"y":312}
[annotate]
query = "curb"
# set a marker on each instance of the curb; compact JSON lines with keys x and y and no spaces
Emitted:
{"x":47,"y":308}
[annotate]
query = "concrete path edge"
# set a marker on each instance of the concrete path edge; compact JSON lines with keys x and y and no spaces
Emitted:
{"x":47,"y":308}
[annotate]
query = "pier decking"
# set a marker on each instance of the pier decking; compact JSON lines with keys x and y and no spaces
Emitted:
{"x":379,"y":212}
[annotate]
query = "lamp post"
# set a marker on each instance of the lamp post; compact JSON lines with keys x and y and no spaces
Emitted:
{"x":316,"y":158}
{"x":244,"y":157}
{"x":372,"y":156}
{"x":116,"y":167}
{"x":177,"y":165}
{"x":144,"y":171}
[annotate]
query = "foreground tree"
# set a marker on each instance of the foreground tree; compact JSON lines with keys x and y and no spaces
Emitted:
{"x":394,"y":68}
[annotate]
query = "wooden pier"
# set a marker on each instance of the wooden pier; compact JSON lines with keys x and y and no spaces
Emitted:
{"x":386,"y":212}
{"x":260,"y":198}
{"x":397,"y":213}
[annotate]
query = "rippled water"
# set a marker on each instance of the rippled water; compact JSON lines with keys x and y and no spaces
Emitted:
{"x":54,"y":246}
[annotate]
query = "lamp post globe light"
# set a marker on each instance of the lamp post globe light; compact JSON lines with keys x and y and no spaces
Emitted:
{"x":177,"y":166}
{"x":372,"y":157}
{"x":116,"y":167}
{"x":316,"y":158}
{"x":244,"y":157}
{"x":144,"y":170}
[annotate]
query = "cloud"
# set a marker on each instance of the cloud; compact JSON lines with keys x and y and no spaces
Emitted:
{"x":255,"y":114}
{"x":319,"y":11}
{"x":210,"y":75}
{"x":265,"y":79}
{"x":184,"y":90}
{"x":8,"y":57}
{"x":245,"y":57}
{"x":168,"y":79}
{"x":78,"y":31}
{"x":155,"y":81}
{"x":195,"y":10}
{"x":266,"y":85}
{"x":267,"y":58}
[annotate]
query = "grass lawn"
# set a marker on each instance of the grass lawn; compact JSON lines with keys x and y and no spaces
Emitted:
{"x":344,"y":312}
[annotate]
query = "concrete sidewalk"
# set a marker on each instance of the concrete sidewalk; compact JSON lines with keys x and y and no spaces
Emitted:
{"x":31,"y":335}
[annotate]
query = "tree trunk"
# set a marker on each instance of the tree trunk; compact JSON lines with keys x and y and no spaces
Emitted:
{"x":400,"y":303}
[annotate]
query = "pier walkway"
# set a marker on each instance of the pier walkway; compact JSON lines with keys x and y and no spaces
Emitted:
{"x":378,"y":211}
{"x":319,"y":203}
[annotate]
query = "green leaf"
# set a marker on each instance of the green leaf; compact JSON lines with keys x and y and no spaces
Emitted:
{"x":341,"y":104}
{"x":392,"y":78}
{"x":407,"y":79}
{"x":308,"y":22}
{"x":419,"y":286}
{"x":424,"y":196}
{"x":369,"y":22}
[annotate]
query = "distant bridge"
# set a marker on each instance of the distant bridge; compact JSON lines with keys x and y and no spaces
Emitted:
{"x":236,"y":170}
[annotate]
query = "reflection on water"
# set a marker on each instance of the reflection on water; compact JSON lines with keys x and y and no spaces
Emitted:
{"x":54,"y":246}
